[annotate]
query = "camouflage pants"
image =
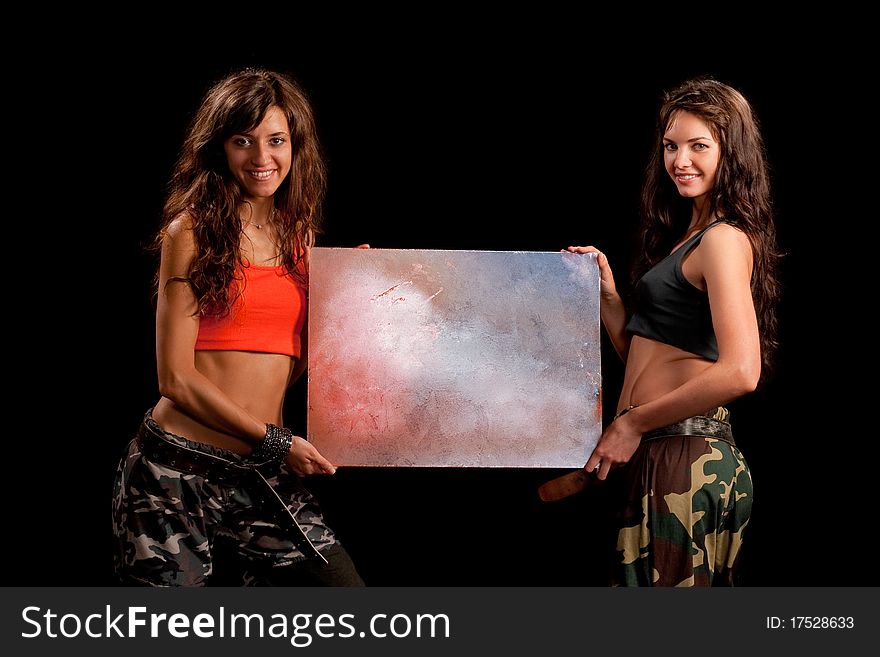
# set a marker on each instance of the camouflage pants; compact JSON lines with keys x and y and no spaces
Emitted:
{"x":689,"y":498}
{"x":170,"y":525}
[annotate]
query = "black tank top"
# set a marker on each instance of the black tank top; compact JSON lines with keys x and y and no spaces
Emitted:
{"x":670,"y":309}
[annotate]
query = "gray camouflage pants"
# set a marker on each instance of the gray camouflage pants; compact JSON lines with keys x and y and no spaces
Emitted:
{"x":170,"y":526}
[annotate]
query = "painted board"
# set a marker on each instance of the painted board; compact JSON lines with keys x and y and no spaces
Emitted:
{"x":453,"y":358}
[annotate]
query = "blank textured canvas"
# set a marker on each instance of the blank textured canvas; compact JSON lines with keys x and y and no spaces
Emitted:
{"x":453,"y":358}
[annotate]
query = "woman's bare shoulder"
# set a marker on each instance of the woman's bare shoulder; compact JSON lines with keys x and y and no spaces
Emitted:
{"x":179,"y":243}
{"x":726,"y":236}
{"x":179,"y":228}
{"x":723,"y":247}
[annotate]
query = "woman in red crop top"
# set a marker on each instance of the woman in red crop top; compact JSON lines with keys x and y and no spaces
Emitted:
{"x":703,"y":322}
{"x":210,"y":488}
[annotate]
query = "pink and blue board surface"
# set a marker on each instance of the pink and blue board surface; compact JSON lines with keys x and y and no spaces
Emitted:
{"x":454,"y":358}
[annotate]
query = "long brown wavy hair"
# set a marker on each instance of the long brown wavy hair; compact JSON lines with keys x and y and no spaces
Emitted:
{"x":202,"y":185}
{"x":741,"y":194}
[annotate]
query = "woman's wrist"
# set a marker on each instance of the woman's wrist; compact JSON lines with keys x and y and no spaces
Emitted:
{"x":275,"y":446}
{"x":633,"y":419}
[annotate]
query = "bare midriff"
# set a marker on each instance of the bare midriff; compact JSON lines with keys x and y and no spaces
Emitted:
{"x":654,"y":369}
{"x":255,"y":381}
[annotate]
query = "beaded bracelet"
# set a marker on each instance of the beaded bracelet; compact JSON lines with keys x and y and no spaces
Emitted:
{"x":275,"y":446}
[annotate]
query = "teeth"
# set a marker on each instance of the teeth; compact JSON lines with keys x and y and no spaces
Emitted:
{"x":690,"y":176}
{"x":261,"y":174}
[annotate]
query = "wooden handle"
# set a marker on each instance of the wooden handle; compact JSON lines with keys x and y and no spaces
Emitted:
{"x":567,"y":484}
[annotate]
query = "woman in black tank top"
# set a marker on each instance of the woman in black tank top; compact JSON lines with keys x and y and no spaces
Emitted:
{"x":701,"y":325}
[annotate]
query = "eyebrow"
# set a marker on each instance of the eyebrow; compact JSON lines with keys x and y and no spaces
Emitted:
{"x":693,"y":139}
{"x":250,"y":134}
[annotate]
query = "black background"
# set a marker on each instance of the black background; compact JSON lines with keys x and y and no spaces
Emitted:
{"x":451,"y":141}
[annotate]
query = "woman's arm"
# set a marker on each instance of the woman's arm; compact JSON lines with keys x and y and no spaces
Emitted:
{"x":303,"y":360}
{"x":724,"y":262}
{"x":611,"y":308}
{"x":177,"y":327}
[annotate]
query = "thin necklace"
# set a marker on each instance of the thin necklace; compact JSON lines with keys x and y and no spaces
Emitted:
{"x":269,"y":221}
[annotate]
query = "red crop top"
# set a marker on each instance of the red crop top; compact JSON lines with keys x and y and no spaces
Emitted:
{"x":268,"y":316}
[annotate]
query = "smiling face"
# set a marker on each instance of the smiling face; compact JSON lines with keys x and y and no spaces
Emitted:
{"x":691,"y":155}
{"x":260,"y":160}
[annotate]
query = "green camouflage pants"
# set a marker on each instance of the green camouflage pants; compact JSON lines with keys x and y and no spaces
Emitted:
{"x":169,"y":524}
{"x":689,"y":498}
